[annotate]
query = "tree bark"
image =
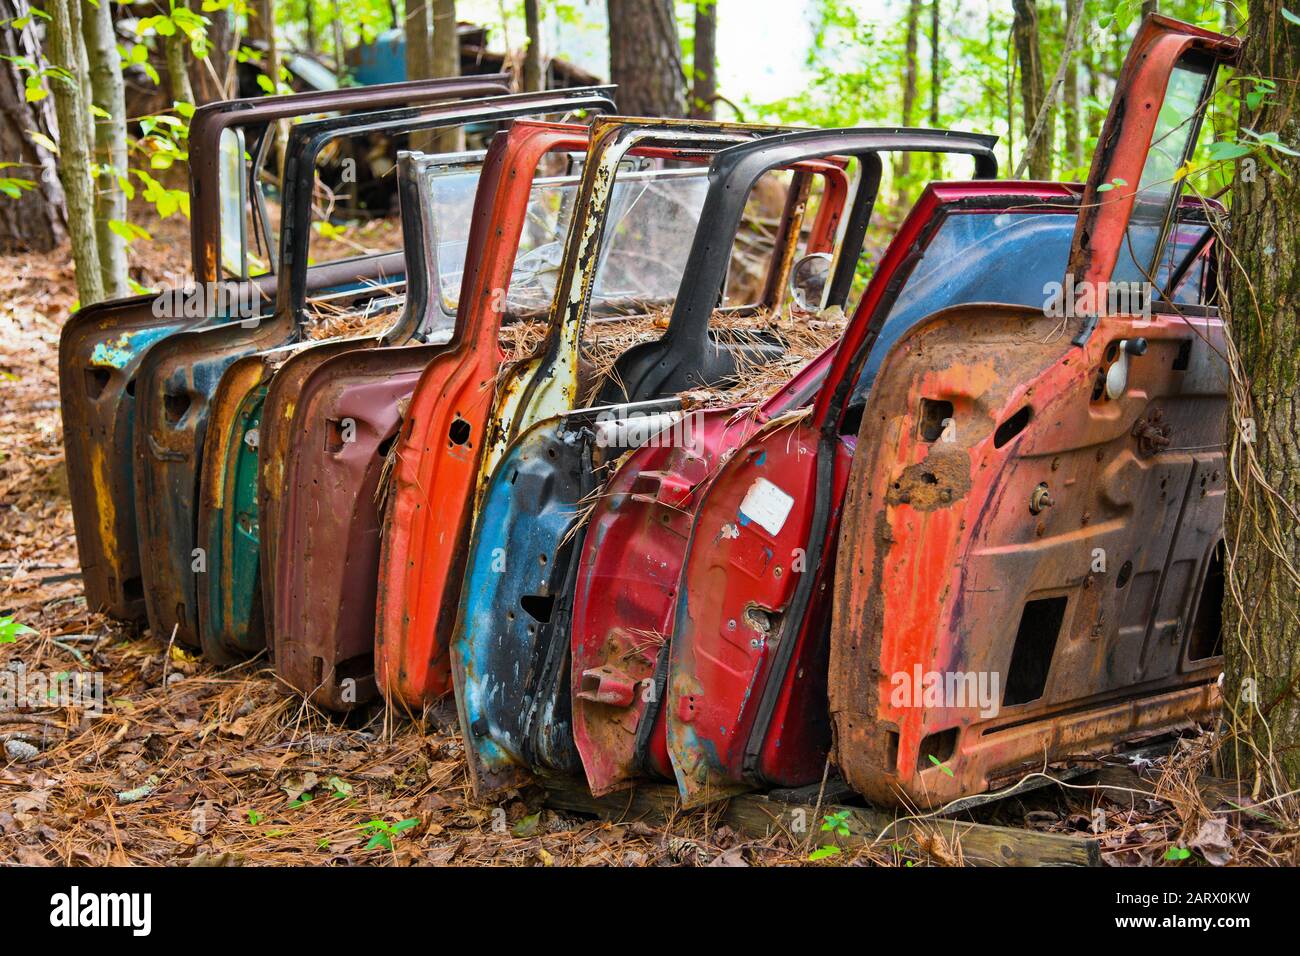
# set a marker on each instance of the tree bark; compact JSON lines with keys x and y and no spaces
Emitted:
{"x":35,"y":221}
{"x":1073,"y":140}
{"x":1043,"y":125}
{"x":704,"y":60}
{"x":446,"y":62}
{"x":903,"y":164}
{"x":208,"y":78}
{"x":74,"y":152}
{"x":533,"y":54}
{"x":1033,"y":90}
{"x":177,"y":47}
{"x":645,"y":58}
{"x":936,"y":82}
{"x":1262,"y":603}
{"x":419,"y":40}
{"x":109,"y":94}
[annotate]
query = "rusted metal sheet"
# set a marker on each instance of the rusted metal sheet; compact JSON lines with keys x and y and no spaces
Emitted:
{"x":425,"y":547}
{"x":625,"y":595}
{"x":101,"y":346}
{"x":324,"y":593}
{"x":1056,"y":577}
{"x":180,"y":374}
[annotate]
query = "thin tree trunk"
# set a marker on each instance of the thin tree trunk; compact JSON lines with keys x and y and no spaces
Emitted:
{"x":178,"y":70}
{"x":110,"y":144}
{"x":1043,"y":124}
{"x":74,"y":153}
{"x":1073,"y":142}
{"x":336,"y":24}
{"x":936,"y":82}
{"x":419,"y":40}
{"x":82,"y":68}
{"x":645,"y":58}
{"x":1262,"y":602}
{"x":533,"y":55}
{"x":35,"y":221}
{"x":903,"y":161}
{"x":1033,"y":93}
{"x":704,"y":60}
{"x":446,"y":62}
{"x":208,"y":76}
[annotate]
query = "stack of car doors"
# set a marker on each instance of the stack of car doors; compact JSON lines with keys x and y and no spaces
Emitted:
{"x":465,"y":408}
{"x":977,"y":533}
{"x":180,"y":376}
{"x":102,"y":346}
{"x":958,"y":562}
{"x":339,"y":422}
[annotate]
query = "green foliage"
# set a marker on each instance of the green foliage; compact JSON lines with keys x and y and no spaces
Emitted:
{"x":382,"y":833}
{"x":11,"y":630}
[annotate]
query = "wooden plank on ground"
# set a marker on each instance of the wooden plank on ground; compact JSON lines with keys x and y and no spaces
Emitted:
{"x":756,"y":817}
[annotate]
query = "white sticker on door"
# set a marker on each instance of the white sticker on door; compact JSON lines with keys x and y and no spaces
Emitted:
{"x":766,"y":505}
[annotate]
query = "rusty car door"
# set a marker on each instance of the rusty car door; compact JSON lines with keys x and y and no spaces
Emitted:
{"x":1062,"y":546}
{"x":101,"y":345}
{"x":180,"y":374}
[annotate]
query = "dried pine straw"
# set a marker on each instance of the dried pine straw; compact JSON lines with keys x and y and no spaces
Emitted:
{"x":191,"y":764}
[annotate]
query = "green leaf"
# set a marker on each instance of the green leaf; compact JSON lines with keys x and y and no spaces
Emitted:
{"x":942,"y":766}
{"x":11,"y":630}
{"x":1226,"y":149}
{"x":185,"y":109}
{"x":380,"y":839}
{"x":1287,"y":14}
{"x":1177,"y":853}
{"x":822,"y":853}
{"x":255,"y":818}
{"x":403,"y":825}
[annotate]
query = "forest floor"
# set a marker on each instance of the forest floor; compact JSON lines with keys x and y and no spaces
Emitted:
{"x":191,"y":764}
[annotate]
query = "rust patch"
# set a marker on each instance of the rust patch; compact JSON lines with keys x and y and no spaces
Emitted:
{"x":937,"y":482}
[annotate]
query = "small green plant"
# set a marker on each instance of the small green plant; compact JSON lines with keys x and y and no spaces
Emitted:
{"x":381,"y":833}
{"x":11,"y":630}
{"x":255,"y":818}
{"x":1176,"y":854}
{"x":837,"y":823}
{"x":940,"y":764}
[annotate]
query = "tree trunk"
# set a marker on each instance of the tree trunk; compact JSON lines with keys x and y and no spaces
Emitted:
{"x":36,"y":220}
{"x":1033,"y":88}
{"x":704,"y":60}
{"x":645,"y":58}
{"x":74,"y":153}
{"x":1262,"y":605}
{"x":446,"y":62}
{"x":936,"y":82}
{"x":903,"y":163}
{"x":419,"y":40}
{"x":110,"y":144}
{"x":1073,"y":141}
{"x":82,"y":68}
{"x":208,"y":77}
{"x":533,"y":55}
